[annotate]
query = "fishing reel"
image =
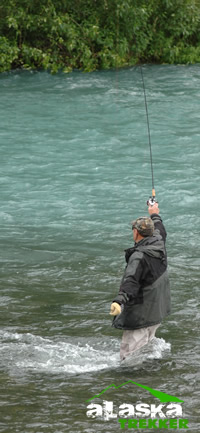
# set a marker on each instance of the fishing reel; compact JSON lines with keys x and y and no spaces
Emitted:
{"x":152,"y":200}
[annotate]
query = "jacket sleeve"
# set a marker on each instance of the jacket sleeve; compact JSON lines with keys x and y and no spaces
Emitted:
{"x":130,"y":284}
{"x":158,"y":224}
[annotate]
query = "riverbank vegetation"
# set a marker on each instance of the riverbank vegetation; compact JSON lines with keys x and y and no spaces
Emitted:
{"x":97,"y":34}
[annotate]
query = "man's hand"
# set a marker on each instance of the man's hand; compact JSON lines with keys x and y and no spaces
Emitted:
{"x":115,"y":309}
{"x":153,"y":209}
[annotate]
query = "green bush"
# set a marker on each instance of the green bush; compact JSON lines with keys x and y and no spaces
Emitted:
{"x":97,"y":34}
{"x":9,"y":53}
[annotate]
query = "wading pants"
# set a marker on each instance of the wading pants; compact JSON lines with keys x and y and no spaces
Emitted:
{"x":134,"y":340}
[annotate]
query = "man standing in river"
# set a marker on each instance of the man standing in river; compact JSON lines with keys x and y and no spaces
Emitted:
{"x":144,"y":296}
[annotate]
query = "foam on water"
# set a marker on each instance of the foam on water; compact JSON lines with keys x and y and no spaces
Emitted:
{"x":27,"y":352}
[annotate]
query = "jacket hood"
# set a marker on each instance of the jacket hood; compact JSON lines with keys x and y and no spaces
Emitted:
{"x":153,"y":246}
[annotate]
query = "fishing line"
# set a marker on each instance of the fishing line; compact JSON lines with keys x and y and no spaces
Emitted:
{"x":151,"y":199}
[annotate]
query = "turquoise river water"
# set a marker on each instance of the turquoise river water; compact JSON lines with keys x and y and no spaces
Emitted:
{"x":74,"y":171}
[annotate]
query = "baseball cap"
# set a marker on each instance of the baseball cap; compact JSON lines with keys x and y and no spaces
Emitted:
{"x":144,"y":225}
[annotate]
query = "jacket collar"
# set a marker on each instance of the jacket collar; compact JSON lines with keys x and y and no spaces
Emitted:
{"x":152,"y":245}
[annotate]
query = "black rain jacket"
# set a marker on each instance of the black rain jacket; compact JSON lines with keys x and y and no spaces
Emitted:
{"x":144,"y":293}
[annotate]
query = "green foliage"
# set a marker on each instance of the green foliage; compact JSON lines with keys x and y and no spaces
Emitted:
{"x":97,"y":34}
{"x":8,"y":54}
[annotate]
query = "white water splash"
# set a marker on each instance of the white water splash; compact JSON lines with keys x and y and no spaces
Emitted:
{"x":27,"y":352}
{"x":30,"y":353}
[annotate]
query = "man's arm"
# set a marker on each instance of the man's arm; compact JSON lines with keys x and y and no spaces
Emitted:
{"x":131,"y":281}
{"x":154,"y":214}
{"x":130,"y":284}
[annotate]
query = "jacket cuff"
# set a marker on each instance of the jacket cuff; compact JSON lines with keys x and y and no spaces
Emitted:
{"x":121,"y":298}
{"x":155,"y":217}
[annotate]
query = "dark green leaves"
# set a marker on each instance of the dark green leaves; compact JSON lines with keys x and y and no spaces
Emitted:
{"x":96,"y":34}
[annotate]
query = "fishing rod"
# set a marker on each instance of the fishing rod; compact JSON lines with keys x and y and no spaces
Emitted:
{"x":152,"y":200}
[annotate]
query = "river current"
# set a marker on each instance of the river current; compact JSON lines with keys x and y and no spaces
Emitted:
{"x":74,"y":171}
